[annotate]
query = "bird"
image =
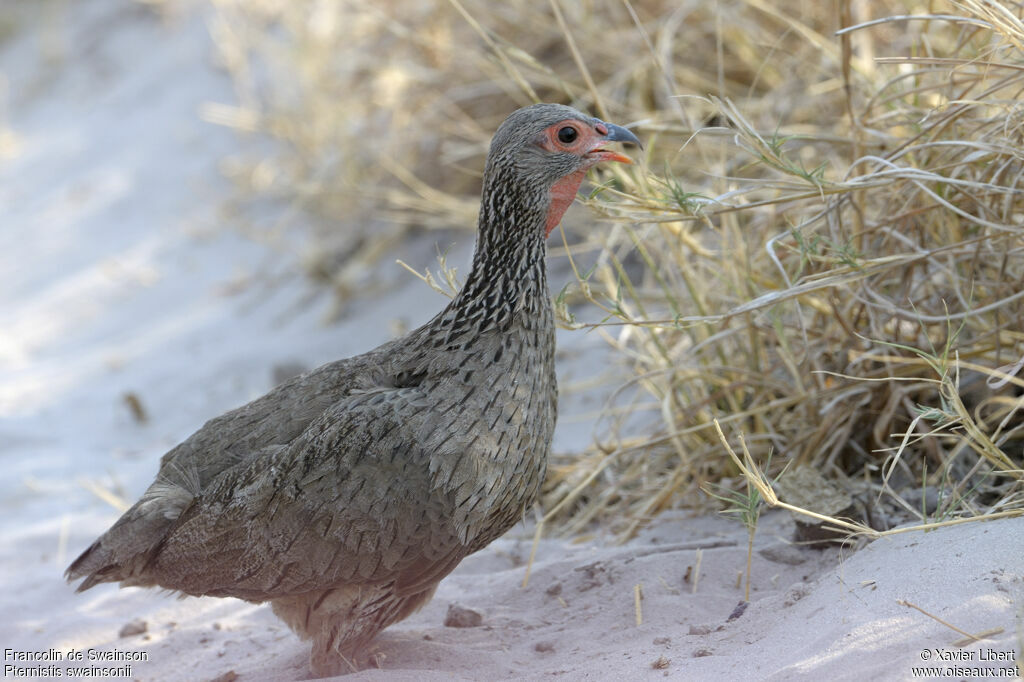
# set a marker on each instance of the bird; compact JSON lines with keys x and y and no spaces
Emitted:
{"x":344,"y":495}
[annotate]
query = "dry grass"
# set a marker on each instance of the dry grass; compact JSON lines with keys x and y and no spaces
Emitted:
{"x":822,"y":249}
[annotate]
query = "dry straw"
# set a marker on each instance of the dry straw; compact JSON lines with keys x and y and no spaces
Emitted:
{"x":821,"y":249}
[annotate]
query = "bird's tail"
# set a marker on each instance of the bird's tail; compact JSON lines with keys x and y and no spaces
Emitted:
{"x":96,"y":565}
{"x":122,"y":553}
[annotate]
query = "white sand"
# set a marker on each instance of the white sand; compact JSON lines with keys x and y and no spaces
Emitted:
{"x":117,"y":278}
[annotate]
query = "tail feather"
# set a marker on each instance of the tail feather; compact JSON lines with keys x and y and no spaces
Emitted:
{"x":97,"y":565}
{"x":122,"y":553}
{"x":83,"y":565}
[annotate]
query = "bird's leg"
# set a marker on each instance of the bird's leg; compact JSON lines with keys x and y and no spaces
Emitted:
{"x":326,"y":661}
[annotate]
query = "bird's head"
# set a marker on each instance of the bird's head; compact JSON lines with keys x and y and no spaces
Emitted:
{"x":544,"y":151}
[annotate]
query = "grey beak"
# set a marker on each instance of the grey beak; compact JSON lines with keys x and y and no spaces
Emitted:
{"x":620,"y":134}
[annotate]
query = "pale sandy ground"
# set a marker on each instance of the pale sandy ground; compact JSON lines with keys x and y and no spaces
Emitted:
{"x":115,"y":278}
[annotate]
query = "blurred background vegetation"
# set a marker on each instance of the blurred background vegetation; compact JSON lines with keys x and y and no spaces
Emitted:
{"x":821,"y":245}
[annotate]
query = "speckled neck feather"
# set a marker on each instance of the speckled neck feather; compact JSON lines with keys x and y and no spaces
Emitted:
{"x":508,"y":277}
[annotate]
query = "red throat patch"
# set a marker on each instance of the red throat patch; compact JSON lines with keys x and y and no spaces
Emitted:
{"x":562,"y":194}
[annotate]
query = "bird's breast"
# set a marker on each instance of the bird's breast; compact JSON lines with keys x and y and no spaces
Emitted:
{"x":490,"y":430}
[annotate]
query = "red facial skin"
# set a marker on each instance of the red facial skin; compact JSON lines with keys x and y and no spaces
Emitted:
{"x":586,"y":145}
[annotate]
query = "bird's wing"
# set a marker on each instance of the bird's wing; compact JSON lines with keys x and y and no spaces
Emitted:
{"x":270,"y":421}
{"x":355,"y":499}
{"x":221,"y":450}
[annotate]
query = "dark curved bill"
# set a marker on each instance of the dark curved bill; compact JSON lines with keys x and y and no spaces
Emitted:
{"x":620,"y":134}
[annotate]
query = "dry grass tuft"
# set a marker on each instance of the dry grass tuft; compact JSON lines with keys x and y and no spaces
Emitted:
{"x":822,"y":250}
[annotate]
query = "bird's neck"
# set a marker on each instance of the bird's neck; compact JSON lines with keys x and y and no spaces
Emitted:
{"x":508,"y":279}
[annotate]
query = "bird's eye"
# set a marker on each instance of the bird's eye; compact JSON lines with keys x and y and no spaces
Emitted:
{"x":567,"y":135}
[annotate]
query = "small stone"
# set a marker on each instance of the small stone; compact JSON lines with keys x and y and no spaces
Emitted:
{"x":806,"y":487}
{"x":795,"y":594}
{"x":135,"y":627}
{"x":229,"y":676}
{"x":544,"y":647}
{"x":595,"y":574}
{"x":700,"y":629}
{"x":738,"y":611}
{"x":660,"y":663}
{"x":554,"y":590}
{"x":461,"y":617}
{"x":783,"y":554}
{"x":700,"y":653}
{"x":663,"y":640}
{"x":927,"y":498}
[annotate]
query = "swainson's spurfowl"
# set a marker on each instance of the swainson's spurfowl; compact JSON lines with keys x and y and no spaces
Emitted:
{"x":344,"y":495}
